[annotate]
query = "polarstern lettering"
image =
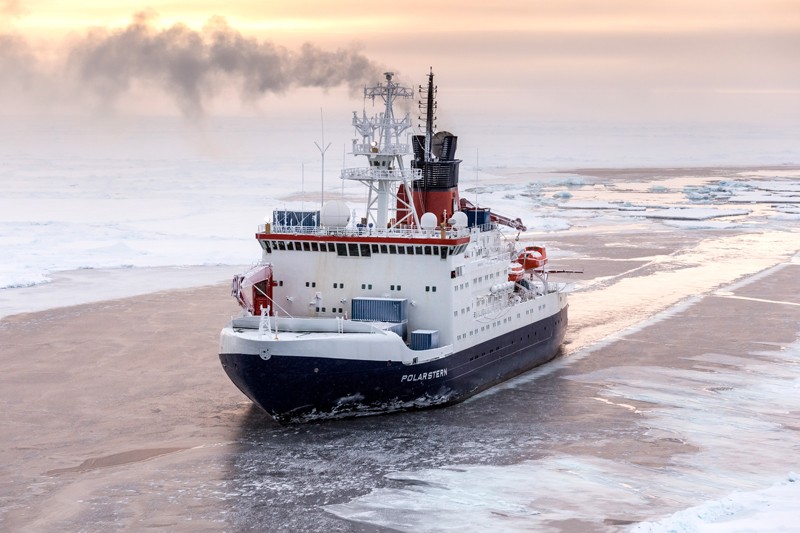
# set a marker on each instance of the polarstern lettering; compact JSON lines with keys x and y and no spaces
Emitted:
{"x":425,"y":375}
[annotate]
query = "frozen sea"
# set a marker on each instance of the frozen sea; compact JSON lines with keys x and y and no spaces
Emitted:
{"x":80,"y":193}
{"x":690,"y":255}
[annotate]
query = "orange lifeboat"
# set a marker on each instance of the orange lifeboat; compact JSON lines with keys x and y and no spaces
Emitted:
{"x":533,"y":257}
{"x":253,"y":290}
{"x":516,"y":272}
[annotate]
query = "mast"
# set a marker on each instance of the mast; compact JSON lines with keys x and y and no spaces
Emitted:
{"x":429,"y":117}
{"x":381,"y":144}
{"x":434,"y":157}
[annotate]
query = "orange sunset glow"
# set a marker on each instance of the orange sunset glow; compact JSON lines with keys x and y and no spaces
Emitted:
{"x":686,"y":60}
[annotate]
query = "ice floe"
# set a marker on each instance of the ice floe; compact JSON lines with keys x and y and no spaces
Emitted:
{"x":693,"y":213}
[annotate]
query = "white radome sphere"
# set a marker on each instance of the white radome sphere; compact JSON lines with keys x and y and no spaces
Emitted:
{"x":335,"y":214}
{"x":428,"y":221}
{"x":458,"y":220}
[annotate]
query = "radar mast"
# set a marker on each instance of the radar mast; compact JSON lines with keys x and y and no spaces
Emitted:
{"x":381,"y":144}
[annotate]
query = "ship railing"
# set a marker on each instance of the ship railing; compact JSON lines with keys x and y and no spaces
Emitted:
{"x":386,"y":149}
{"x":312,"y":325}
{"x":362,"y":230}
{"x":365,"y":124}
{"x":513,"y":299}
{"x":380,"y":174}
{"x":486,"y":227}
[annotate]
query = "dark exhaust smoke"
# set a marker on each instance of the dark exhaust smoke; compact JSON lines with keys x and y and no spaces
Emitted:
{"x":190,"y":66}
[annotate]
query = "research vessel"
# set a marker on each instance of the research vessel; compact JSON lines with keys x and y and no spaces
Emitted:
{"x":422,"y":299}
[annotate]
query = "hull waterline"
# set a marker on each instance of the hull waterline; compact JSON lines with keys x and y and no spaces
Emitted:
{"x":299,"y":389}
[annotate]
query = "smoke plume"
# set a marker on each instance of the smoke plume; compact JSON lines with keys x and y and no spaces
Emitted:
{"x":188,"y":65}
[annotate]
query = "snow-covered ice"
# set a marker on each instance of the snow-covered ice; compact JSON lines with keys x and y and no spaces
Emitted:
{"x":157,"y":192}
{"x":693,"y":213}
{"x":727,"y":412}
{"x":772,"y":509}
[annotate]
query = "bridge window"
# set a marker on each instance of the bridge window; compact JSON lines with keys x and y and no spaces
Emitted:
{"x":365,"y":252}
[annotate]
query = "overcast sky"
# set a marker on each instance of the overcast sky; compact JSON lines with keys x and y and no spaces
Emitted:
{"x":628,"y":60}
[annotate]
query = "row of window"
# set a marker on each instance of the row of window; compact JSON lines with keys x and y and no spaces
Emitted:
{"x":367,"y":286}
{"x":488,"y":277}
{"x":482,"y":328}
{"x":356,"y":249}
{"x":497,"y":323}
{"x":333,"y":310}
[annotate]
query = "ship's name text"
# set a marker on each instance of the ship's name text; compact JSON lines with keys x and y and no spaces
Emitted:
{"x":425,"y":375}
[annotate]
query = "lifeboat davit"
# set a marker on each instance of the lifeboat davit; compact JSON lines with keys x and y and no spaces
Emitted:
{"x":253,"y":290}
{"x":533,"y":257}
{"x":516,"y":271}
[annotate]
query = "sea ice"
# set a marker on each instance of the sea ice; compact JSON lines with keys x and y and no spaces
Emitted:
{"x":694,"y":406}
{"x":693,"y":213}
{"x":755,"y":197}
{"x":771,"y":509}
{"x":616,"y":206}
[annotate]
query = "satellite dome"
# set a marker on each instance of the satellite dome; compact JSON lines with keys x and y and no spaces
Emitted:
{"x":335,"y":214}
{"x":458,"y":220}
{"x":428,"y":221}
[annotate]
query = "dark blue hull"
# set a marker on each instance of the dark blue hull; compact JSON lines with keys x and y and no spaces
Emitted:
{"x":296,"y":389}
